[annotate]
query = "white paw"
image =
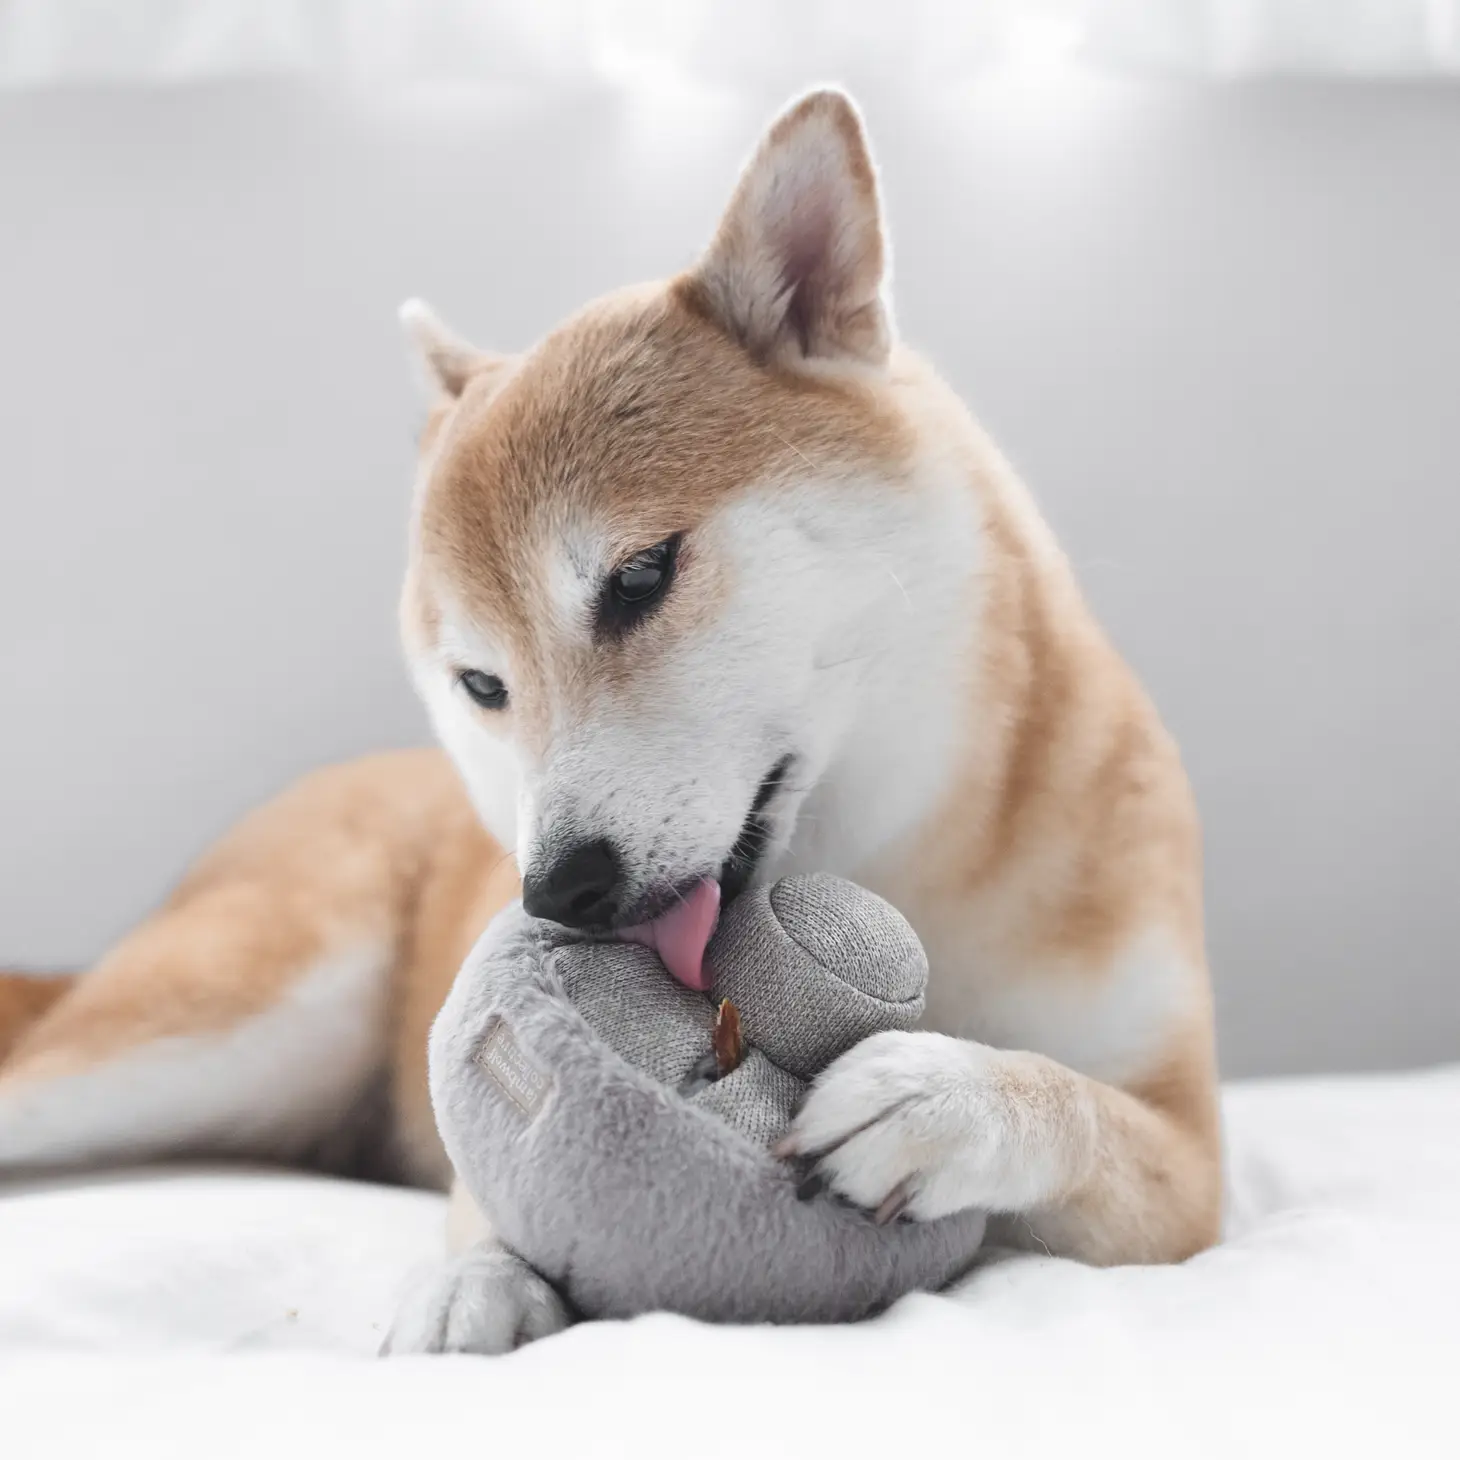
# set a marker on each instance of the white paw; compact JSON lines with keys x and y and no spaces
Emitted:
{"x":918,"y":1124}
{"x":487,"y":1301}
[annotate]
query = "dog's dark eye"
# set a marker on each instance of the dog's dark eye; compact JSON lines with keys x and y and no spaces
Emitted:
{"x":646,"y":574}
{"x":638,"y":580}
{"x":486,"y":689}
{"x":634,"y":587}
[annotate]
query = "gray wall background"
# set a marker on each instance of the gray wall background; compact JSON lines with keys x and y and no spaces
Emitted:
{"x":1219,"y":330}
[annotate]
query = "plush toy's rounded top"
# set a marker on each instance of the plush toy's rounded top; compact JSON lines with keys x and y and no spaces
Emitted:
{"x":575,"y":1088}
{"x":814,"y":970}
{"x":813,"y":965}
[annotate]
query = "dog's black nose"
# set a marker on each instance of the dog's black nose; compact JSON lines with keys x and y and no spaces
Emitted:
{"x":580,"y":889}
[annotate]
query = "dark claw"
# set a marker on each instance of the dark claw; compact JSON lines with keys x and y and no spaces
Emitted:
{"x":810,"y":1186}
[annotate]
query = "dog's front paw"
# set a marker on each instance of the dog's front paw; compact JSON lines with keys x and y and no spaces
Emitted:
{"x":918,"y":1124}
{"x":487,"y":1301}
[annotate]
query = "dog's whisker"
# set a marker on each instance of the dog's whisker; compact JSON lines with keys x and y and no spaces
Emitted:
{"x":906,"y":597}
{"x":789,"y":444}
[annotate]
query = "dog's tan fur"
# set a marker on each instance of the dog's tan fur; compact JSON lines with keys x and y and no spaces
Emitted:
{"x":1063,"y":837}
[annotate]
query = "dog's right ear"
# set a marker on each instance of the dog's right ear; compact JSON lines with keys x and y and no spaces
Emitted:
{"x":797,"y":271}
{"x":443,"y":361}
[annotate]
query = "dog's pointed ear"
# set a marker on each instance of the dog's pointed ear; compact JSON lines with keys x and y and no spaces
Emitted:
{"x":443,"y":361}
{"x":798,"y":267}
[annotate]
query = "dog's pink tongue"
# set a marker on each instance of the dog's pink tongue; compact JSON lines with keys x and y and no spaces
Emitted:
{"x":679,"y":936}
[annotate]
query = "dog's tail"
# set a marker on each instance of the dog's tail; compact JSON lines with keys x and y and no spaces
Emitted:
{"x":24,"y":997}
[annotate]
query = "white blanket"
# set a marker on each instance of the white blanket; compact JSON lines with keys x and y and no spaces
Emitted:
{"x":213,"y":1313}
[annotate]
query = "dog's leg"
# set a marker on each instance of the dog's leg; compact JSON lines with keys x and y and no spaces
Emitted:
{"x":482,"y":1300}
{"x":23,"y":999}
{"x":228,"y":1025}
{"x":926,"y":1124}
{"x":249,"y":1015}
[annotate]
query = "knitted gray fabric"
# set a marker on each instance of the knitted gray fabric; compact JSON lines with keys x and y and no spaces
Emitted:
{"x":812,"y":969}
{"x":656,"y":1024}
{"x":815,"y":965}
{"x":556,"y":1072}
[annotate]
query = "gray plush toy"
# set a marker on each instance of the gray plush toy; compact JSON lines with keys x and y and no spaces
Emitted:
{"x":574,"y":1086}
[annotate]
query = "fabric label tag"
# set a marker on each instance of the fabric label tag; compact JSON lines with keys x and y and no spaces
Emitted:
{"x":502,"y":1058}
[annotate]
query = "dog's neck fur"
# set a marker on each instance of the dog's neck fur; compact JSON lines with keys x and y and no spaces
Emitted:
{"x":906,"y":666}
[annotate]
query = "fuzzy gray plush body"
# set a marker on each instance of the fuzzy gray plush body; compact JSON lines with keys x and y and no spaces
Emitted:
{"x":567,"y":1082}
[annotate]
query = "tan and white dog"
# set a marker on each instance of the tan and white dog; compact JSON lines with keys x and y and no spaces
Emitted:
{"x":716,"y":582}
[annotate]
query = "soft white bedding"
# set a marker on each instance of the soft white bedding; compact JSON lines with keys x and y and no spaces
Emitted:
{"x":214,"y":1313}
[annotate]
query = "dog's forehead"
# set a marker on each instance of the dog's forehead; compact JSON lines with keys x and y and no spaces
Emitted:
{"x":634,"y":421}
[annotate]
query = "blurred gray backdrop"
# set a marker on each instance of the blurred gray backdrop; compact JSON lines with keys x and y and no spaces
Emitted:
{"x":1218,"y":328}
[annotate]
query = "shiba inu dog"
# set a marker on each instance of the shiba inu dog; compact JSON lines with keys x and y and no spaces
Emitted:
{"x":716,"y":582}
